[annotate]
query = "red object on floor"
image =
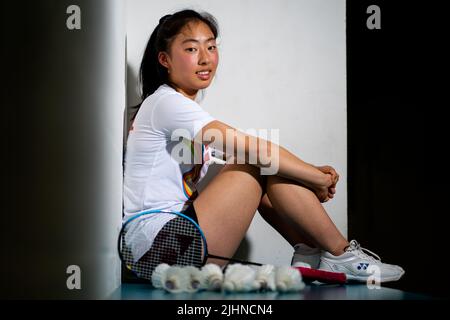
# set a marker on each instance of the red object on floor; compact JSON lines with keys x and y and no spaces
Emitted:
{"x":309,"y":274}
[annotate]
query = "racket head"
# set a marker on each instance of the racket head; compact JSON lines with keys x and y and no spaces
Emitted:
{"x":180,"y":242}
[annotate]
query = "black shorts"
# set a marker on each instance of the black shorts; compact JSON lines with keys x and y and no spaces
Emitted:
{"x":190,"y":212}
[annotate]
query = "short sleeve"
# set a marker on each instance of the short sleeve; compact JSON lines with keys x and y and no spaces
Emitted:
{"x":178,"y":116}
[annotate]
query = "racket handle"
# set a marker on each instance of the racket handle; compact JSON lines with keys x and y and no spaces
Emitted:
{"x":322,"y":275}
{"x":234,"y":260}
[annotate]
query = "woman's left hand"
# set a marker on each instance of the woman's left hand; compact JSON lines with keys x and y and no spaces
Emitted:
{"x":334,"y":177}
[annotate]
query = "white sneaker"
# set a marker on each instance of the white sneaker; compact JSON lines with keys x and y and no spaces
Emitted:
{"x":359,"y":266}
{"x":305,"y":256}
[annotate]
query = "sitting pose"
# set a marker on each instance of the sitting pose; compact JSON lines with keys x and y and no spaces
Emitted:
{"x":180,"y":59}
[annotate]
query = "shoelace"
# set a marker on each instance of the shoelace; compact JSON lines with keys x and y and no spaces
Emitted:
{"x":355,"y":246}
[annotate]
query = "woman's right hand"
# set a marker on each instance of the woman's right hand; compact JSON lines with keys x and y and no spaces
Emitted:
{"x":334,"y":177}
{"x":322,"y":190}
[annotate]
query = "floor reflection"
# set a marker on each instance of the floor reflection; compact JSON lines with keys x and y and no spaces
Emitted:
{"x":130,"y":291}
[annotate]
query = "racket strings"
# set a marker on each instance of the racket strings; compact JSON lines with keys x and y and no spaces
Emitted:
{"x":179,"y":242}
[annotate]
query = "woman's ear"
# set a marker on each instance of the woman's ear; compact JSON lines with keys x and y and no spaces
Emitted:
{"x":163,"y":59}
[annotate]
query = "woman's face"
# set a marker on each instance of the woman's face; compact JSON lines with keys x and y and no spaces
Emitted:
{"x":192,"y":59}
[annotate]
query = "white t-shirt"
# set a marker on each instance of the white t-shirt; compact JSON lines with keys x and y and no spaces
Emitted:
{"x":160,"y":171}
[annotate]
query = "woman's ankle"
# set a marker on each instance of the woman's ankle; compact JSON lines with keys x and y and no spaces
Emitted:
{"x":339,"y":249}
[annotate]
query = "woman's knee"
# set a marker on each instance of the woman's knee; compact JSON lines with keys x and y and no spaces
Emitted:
{"x":248,"y":168}
{"x":251,"y":170}
{"x":236,"y":186}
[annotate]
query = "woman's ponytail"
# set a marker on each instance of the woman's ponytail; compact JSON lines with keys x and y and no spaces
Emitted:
{"x":151,"y":74}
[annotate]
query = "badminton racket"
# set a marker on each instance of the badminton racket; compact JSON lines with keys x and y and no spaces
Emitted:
{"x":182,"y":242}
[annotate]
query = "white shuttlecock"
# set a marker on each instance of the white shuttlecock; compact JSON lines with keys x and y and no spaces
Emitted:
{"x":288,"y":279}
{"x":196,"y":279}
{"x":176,"y":279}
{"x":159,"y":275}
{"x":239,"y":278}
{"x":265,"y":277}
{"x":213,"y":277}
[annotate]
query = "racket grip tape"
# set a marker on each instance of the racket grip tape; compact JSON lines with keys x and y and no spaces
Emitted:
{"x":322,"y":275}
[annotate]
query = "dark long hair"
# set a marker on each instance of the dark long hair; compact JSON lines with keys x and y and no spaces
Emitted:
{"x":152,"y":74}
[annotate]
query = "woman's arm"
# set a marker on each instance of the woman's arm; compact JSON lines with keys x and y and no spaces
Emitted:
{"x":264,"y":153}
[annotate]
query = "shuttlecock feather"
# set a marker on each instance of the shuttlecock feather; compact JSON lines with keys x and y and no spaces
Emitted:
{"x":265,"y":277}
{"x":288,"y":279}
{"x":213,"y":277}
{"x":159,"y":275}
{"x":196,"y":279}
{"x":176,"y":279}
{"x":239,"y":278}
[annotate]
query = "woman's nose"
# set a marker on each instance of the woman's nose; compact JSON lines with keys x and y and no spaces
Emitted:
{"x":204,"y":57}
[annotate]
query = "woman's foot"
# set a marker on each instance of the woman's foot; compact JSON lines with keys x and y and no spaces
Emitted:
{"x":359,"y":266}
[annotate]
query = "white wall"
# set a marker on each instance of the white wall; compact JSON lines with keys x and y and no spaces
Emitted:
{"x":111,"y":134}
{"x":282,"y":66}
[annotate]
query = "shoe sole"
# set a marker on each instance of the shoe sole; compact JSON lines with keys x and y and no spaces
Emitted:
{"x":363,"y":278}
{"x":351,"y":277}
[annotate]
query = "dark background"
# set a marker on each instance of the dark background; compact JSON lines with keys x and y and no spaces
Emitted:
{"x":54,"y":99}
{"x":396,"y":167}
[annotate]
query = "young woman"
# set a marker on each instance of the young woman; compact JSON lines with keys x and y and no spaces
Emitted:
{"x":181,"y":59}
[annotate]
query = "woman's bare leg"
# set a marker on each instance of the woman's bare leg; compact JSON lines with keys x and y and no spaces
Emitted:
{"x":226,"y":207}
{"x":282,"y":225}
{"x":299,"y":212}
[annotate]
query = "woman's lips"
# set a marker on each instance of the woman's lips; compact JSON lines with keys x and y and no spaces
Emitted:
{"x":204,"y":75}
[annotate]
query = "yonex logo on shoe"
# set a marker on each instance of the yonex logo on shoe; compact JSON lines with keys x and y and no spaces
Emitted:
{"x":362,"y":266}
